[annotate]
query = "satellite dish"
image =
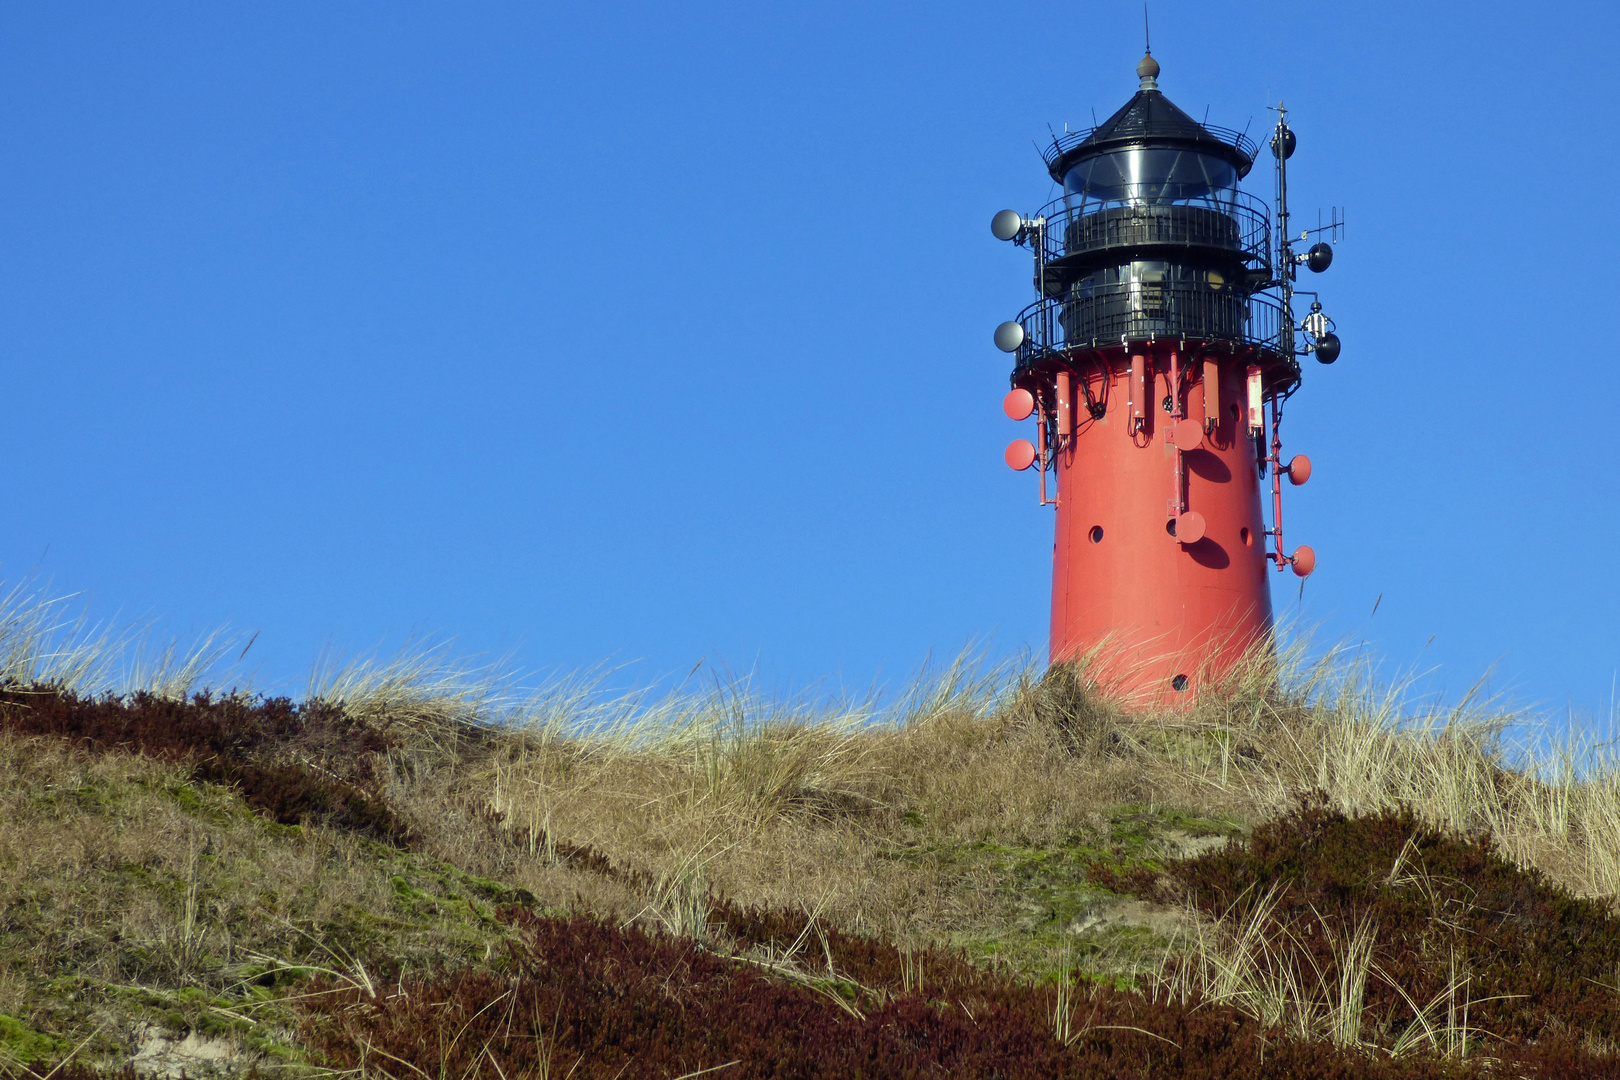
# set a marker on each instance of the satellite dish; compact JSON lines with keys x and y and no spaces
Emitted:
{"x":1006,"y":225}
{"x":1304,"y":561}
{"x":1283,"y":146}
{"x":1009,"y":336}
{"x":1189,"y":434}
{"x":1190,"y":527}
{"x":1018,"y":404}
{"x":1319,"y":258}
{"x":1327,"y":347}
{"x":1299,"y":470}
{"x":1020,"y":454}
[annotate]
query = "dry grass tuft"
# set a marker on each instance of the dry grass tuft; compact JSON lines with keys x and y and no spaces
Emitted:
{"x":48,"y":640}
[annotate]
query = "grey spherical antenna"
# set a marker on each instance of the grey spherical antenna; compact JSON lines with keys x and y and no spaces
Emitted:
{"x":1009,"y":336}
{"x":1006,"y":225}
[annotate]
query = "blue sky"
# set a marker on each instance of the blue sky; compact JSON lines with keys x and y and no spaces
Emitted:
{"x":645,"y":334}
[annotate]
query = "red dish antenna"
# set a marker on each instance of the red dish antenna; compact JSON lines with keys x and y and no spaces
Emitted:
{"x":1304,"y":561}
{"x":1020,"y":454}
{"x":1018,"y":404}
{"x":1299,"y":470}
{"x":1190,"y":527}
{"x":1189,"y":434}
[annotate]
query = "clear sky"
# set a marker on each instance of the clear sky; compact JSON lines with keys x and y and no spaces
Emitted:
{"x":645,"y":334}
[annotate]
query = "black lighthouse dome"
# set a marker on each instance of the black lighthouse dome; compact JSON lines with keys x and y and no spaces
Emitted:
{"x":1150,"y":151}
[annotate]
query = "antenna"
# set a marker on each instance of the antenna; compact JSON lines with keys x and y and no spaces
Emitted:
{"x":1334,"y":228}
{"x":1147,"y":38}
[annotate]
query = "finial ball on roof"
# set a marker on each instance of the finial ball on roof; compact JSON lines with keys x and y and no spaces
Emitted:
{"x":1148,"y":68}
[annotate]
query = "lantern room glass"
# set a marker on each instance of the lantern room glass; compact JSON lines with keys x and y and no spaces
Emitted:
{"x":1152,"y":175}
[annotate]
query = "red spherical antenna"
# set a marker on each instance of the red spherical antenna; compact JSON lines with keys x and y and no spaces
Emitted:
{"x":1018,"y":404}
{"x":1020,"y":454}
{"x":1304,"y":561}
{"x":1299,"y":470}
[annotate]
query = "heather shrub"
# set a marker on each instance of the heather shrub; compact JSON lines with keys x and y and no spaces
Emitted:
{"x":294,"y":763}
{"x":591,"y":1000}
{"x":1461,"y":950}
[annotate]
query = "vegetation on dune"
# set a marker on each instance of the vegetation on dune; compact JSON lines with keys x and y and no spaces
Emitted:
{"x":1379,"y":930}
{"x":1001,"y":874}
{"x":589,"y":999}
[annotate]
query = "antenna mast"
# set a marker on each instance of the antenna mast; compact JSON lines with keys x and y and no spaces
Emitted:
{"x":1282,"y":145}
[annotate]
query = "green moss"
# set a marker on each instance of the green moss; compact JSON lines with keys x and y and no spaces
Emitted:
{"x":24,"y":1045}
{"x":1048,"y":907}
{"x":213,"y":1024}
{"x":452,"y":879}
{"x":186,"y":797}
{"x":88,"y":798}
{"x":268,"y":1045}
{"x":404,"y":890}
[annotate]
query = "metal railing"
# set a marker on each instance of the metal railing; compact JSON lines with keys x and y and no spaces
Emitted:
{"x":1147,"y":311}
{"x":1237,"y":222}
{"x":1069,"y":140}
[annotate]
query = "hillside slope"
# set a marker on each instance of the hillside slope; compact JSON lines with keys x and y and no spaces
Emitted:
{"x":1003,"y":877}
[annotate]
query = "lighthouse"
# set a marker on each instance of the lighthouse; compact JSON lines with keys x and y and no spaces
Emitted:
{"x":1155,"y":364}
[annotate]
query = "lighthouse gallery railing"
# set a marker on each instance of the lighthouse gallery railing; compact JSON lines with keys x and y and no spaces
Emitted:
{"x":1234,"y":221}
{"x":1138,"y":311}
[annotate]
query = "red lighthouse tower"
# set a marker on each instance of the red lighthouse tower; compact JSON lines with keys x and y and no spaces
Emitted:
{"x":1156,"y":362}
